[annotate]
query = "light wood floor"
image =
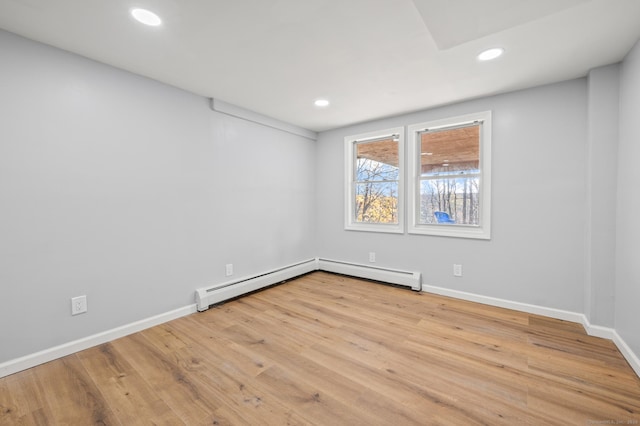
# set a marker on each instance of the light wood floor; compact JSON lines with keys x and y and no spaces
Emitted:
{"x":331,"y":350}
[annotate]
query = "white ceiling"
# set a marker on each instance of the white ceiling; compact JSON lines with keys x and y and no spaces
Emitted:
{"x":370,"y":58}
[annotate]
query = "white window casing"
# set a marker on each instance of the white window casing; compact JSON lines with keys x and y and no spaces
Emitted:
{"x":351,"y":222}
{"x":483,"y":229}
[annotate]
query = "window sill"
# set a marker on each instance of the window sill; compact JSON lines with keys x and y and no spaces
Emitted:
{"x":385,"y":229}
{"x":455,"y":231}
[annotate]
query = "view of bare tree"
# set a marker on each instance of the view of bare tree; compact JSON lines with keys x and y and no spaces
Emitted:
{"x":376,"y":192}
{"x":458,"y":197}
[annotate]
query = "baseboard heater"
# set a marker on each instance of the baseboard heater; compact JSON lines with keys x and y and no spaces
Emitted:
{"x":208,"y":296}
{"x":212,"y":295}
{"x":387,"y":275}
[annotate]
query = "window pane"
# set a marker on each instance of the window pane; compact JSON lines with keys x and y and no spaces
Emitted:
{"x":450,"y":201}
{"x":450,"y":151}
{"x":377,"y":160}
{"x":376,"y":202}
{"x":374,"y":184}
{"x":450,"y":168}
{"x":370,"y":170}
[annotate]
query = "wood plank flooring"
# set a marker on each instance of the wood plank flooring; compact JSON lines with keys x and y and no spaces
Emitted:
{"x":331,"y":350}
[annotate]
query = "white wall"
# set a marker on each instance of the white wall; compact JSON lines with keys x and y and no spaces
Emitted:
{"x":536,"y":254}
{"x":133,"y":193}
{"x":627,"y":296}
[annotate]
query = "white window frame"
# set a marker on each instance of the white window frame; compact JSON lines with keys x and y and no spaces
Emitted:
{"x":350,"y":141}
{"x":481,"y":231}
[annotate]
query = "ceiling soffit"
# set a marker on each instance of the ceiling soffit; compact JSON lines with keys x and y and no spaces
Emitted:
{"x":452,"y":23}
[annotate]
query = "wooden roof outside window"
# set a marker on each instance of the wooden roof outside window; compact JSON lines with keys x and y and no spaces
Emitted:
{"x":459,"y":148}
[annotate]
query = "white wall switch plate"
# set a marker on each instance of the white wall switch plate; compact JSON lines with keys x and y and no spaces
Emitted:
{"x":457,"y":270}
{"x":229,"y":269}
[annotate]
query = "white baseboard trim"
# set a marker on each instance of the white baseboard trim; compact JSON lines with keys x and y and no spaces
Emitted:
{"x":592,"y":330}
{"x":626,"y":351}
{"x":612,"y":334}
{"x":597,"y":330}
{"x":32,"y":360}
{"x":28,"y":361}
{"x":508,"y":304}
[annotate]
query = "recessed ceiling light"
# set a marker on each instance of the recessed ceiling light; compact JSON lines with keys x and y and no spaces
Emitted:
{"x":146,"y":17}
{"x":427,"y":153}
{"x":490,"y":54}
{"x":321,"y":103}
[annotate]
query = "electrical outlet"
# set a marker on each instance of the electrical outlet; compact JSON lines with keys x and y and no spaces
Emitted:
{"x":78,"y":305}
{"x":372,"y":257}
{"x":229,"y":269}
{"x":457,"y":270}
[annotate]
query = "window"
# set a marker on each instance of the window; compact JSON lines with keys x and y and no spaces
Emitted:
{"x":374,"y":185}
{"x":450,"y":169}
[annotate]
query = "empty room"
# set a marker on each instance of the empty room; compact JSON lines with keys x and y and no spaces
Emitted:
{"x":319,"y":212}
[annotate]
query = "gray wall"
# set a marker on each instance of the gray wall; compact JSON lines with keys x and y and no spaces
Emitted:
{"x":136,"y":193}
{"x":536,"y":254}
{"x":627,"y":296}
{"x":602,"y":160}
{"x":133,"y":193}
